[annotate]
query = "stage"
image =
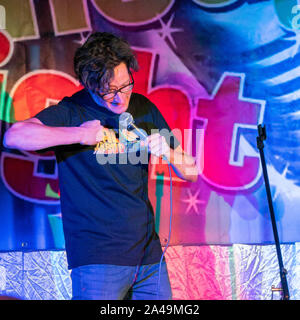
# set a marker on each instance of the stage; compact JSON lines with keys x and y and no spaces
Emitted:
{"x":238,"y":272}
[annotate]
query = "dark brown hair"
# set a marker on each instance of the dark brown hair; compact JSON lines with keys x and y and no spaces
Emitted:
{"x":95,"y":60}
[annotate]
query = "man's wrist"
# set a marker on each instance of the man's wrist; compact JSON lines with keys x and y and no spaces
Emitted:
{"x":168,"y":155}
{"x":79,"y":135}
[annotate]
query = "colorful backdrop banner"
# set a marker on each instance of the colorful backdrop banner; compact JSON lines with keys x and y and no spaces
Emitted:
{"x":215,"y":69}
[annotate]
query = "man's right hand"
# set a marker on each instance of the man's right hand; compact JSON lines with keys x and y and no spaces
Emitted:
{"x":93,"y":132}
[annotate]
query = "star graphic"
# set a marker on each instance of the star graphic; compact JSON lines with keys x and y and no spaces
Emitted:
{"x":166,"y":30}
{"x":192,"y":201}
{"x":83,"y":37}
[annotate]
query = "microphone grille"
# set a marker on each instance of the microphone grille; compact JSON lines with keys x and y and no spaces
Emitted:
{"x":125,"y":119}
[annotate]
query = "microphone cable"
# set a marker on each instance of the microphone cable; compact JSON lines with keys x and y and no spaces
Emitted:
{"x":170,"y":229}
{"x":126,"y":120}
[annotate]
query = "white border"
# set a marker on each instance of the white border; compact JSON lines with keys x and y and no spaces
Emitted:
{"x":2,"y":17}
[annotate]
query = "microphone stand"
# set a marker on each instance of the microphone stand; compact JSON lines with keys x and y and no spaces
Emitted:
{"x":260,"y":145}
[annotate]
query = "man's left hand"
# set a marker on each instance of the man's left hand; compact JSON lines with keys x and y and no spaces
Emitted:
{"x":157,"y":145}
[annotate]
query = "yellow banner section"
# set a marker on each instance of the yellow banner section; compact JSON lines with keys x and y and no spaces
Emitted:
{"x":20,"y":18}
{"x":69,"y":15}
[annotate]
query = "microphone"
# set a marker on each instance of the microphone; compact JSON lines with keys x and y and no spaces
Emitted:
{"x":126,"y":121}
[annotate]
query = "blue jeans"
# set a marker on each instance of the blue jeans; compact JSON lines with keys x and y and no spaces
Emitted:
{"x":111,"y":282}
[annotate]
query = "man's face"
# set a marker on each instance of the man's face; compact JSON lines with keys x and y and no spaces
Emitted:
{"x":119,"y":103}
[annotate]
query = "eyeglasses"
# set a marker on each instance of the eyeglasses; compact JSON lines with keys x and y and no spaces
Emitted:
{"x":110,"y":95}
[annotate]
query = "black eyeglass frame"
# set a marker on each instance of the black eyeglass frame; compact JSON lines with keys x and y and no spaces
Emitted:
{"x":115,"y":92}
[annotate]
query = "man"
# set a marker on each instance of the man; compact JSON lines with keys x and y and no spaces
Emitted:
{"x":108,"y":221}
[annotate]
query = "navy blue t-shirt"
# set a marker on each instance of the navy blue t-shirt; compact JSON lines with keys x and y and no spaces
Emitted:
{"x":107,"y":216}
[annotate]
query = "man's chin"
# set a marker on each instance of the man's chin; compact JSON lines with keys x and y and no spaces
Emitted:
{"x":119,"y":109}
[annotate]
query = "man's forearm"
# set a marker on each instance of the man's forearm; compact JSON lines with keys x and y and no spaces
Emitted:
{"x":35,"y":136}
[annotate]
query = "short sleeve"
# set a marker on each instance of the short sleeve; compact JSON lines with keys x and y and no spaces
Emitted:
{"x":57,"y":115}
{"x":163,"y":127}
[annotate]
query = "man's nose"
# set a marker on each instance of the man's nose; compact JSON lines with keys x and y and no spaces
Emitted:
{"x":119,"y":97}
